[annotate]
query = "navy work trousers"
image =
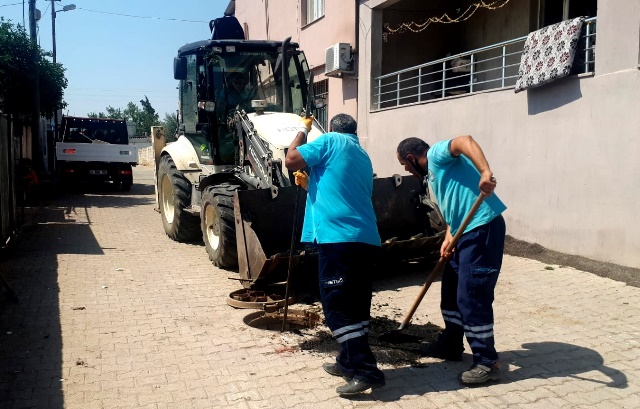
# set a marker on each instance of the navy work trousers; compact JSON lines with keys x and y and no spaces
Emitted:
{"x":468,"y":285}
{"x":345,"y":292}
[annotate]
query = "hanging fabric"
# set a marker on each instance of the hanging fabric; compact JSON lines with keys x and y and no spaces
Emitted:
{"x":548,"y":54}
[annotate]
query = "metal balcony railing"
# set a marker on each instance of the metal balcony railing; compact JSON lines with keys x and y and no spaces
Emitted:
{"x":492,"y":67}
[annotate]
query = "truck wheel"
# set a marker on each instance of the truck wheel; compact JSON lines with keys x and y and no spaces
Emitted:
{"x":218,"y":225}
{"x":174,"y":191}
{"x":126,"y":184}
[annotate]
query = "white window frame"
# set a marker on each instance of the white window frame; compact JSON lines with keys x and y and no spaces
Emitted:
{"x":314,"y":9}
{"x":565,"y":12}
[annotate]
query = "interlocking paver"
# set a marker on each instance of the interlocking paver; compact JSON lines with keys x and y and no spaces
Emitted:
{"x":113,"y":314}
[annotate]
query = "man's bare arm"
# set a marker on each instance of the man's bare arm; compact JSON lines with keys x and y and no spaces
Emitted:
{"x":467,"y":146}
{"x":294,"y":160}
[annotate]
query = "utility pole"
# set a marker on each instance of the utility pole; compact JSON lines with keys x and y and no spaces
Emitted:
{"x":36,"y":144}
{"x":52,"y":144}
{"x":53,"y":28}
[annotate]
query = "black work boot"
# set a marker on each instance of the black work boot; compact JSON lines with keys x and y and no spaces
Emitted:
{"x":479,"y":374}
{"x":334,"y":369}
{"x":356,"y":386}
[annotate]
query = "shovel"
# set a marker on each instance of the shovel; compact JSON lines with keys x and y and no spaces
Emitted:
{"x":396,"y":336}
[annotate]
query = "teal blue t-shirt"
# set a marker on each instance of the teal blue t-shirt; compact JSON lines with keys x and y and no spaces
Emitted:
{"x":454,"y":181}
{"x":339,"y":207}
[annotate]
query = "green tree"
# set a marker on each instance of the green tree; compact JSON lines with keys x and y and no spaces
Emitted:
{"x":52,"y":86}
{"x":113,"y":113}
{"x":16,"y":74}
{"x":143,"y":117}
{"x":148,"y":116}
{"x":170,"y":125}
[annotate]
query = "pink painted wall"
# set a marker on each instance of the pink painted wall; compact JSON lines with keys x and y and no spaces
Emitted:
{"x":277,"y":19}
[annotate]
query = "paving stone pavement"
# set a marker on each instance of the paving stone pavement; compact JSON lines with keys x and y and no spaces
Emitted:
{"x":113,"y":314}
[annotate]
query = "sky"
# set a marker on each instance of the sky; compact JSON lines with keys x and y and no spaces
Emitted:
{"x":118,"y":51}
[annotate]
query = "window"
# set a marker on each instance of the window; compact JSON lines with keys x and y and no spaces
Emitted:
{"x":321,"y":92}
{"x":313,"y":10}
{"x":555,"y":11}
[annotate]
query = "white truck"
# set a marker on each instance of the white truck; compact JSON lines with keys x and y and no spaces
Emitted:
{"x":95,"y":149}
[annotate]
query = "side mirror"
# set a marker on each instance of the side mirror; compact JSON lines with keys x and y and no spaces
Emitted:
{"x":319,"y":103}
{"x":180,"y":68}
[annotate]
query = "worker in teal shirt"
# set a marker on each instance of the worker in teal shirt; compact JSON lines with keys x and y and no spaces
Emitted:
{"x":457,"y":172}
{"x":340,"y":220}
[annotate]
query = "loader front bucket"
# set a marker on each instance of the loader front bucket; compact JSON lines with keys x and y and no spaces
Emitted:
{"x":408,"y":229}
{"x":263,"y":233}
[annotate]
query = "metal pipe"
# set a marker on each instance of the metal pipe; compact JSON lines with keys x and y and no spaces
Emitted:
{"x":586,"y":48}
{"x":420,"y":84}
{"x":444,"y":77}
{"x":504,"y":63}
{"x":473,"y":56}
{"x":285,"y":74}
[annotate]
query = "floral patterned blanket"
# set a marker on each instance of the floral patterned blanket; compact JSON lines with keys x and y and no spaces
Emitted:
{"x":548,"y":54}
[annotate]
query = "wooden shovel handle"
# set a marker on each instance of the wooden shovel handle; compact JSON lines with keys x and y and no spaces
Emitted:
{"x":441,"y":263}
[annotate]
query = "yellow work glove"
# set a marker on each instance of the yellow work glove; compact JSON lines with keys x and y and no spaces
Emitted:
{"x":302,"y":179}
{"x":305,"y":125}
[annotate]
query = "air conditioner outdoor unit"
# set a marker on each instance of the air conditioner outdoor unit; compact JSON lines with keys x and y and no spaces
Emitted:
{"x":338,"y":60}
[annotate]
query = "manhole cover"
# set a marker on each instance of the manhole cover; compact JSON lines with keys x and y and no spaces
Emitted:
{"x":257,"y":300}
{"x":272,"y":321}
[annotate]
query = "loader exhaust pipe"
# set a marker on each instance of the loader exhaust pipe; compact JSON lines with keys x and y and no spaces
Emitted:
{"x":285,"y":74}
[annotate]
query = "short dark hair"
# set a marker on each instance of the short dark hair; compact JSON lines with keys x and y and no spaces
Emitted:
{"x":414,"y":146}
{"x":343,"y":123}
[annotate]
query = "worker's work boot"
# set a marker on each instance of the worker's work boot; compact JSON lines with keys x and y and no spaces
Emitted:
{"x":356,"y":386}
{"x":334,"y":369}
{"x":440,"y":350}
{"x":478,"y":374}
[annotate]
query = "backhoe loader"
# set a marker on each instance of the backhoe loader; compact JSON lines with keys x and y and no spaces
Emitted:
{"x":223,"y":180}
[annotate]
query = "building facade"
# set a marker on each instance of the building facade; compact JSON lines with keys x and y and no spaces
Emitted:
{"x":564,"y":153}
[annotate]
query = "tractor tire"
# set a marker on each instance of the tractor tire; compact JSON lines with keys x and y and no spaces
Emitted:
{"x":174,"y":192}
{"x":218,"y":225}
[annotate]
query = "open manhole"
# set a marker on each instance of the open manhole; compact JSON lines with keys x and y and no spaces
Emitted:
{"x":272,"y":321}
{"x":259,"y":300}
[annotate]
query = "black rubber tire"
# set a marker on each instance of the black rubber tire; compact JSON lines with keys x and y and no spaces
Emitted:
{"x":218,"y":227}
{"x":126,"y":183}
{"x":178,"y":224}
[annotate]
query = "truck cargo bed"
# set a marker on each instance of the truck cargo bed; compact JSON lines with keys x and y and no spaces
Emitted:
{"x":96,"y":152}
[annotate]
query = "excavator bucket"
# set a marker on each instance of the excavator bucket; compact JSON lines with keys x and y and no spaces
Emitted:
{"x":409,"y":229}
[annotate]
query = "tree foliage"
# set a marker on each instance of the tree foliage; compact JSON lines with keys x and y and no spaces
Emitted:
{"x":170,"y":125}
{"x":17,"y":69}
{"x":143,"y":117}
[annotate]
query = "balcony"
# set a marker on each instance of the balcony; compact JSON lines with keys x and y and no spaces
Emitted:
{"x":487,"y":68}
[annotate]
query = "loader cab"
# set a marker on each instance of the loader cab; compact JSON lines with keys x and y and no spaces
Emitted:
{"x":219,"y":77}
